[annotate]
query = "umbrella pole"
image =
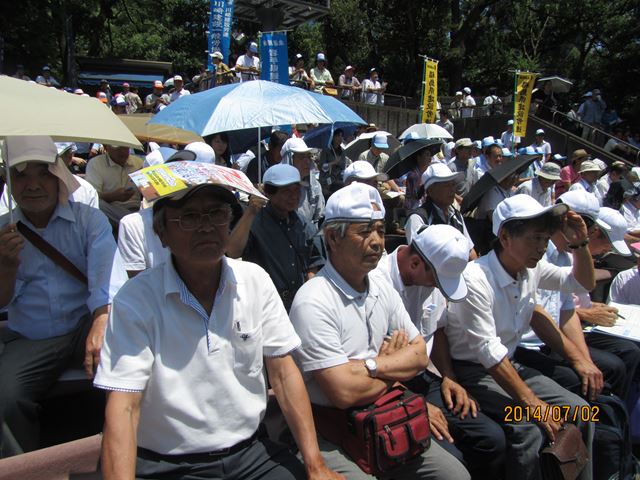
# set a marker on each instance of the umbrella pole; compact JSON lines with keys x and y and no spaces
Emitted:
{"x":8,"y":184}
{"x":259,"y":157}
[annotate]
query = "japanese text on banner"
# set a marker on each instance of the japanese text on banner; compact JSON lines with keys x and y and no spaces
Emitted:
{"x":524,"y":87}
{"x":430,"y":98}
{"x":220,"y":17}
{"x":274,"y":56}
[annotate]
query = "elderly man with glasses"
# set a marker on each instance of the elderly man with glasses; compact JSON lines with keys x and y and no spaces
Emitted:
{"x":184,"y":354}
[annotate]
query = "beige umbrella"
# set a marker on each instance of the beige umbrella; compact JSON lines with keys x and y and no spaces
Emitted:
{"x":155,"y":132}
{"x":31,"y":109}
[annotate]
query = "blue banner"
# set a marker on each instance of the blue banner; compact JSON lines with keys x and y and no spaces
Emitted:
{"x":220,"y":17}
{"x":274,"y":57}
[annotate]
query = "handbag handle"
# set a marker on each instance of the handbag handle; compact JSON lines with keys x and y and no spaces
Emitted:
{"x":391,"y":395}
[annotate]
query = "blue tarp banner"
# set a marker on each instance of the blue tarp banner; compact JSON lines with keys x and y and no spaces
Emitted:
{"x":274,"y":57}
{"x":220,"y":17}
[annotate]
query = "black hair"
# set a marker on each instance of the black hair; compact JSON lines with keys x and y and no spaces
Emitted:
{"x":277,"y":139}
{"x":270,"y":189}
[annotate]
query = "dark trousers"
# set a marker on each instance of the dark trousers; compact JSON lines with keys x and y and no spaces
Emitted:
{"x":554,"y":366}
{"x":263,"y":459}
{"x":479,"y":443}
{"x":625,"y":350}
{"x":28,"y":369}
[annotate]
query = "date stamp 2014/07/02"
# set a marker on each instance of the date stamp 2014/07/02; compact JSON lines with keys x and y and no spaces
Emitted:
{"x":556,"y":413}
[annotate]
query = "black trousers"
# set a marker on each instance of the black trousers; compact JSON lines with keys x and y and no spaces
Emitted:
{"x":28,"y":369}
{"x":263,"y":459}
{"x":626,"y":350}
{"x":479,"y":443}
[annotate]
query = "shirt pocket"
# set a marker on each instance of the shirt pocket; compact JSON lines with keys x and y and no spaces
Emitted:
{"x":429,"y":320}
{"x":247,"y":350}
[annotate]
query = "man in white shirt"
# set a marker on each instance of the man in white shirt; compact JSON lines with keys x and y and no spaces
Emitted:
{"x":248,"y":65}
{"x":184,"y":355}
{"x":468,"y":102}
{"x":343,"y":315}
{"x":178,"y":89}
{"x":428,"y":273}
{"x":542,"y":145}
{"x":109,"y":175}
{"x":631,"y":212}
{"x":589,"y":174}
{"x":372,"y":89}
{"x":320,"y":74}
{"x":615,"y":172}
{"x":508,"y":139}
{"x":486,"y":327}
{"x":625,"y":288}
{"x":541,"y":187}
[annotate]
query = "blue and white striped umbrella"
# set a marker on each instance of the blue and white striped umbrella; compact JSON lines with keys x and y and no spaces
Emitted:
{"x":241,"y":109}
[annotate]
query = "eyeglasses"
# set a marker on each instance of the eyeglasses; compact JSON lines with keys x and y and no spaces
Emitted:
{"x":192,"y":221}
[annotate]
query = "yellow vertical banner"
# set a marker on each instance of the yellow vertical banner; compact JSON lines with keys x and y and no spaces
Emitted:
{"x":524,"y":87}
{"x":430,"y":96}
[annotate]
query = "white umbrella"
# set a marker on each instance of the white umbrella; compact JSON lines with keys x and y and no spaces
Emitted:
{"x":354,"y":148}
{"x":427,"y":131}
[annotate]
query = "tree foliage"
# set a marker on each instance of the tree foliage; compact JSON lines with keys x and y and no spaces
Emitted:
{"x":595,"y":43}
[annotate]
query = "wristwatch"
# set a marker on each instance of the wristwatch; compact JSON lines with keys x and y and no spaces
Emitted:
{"x":372,"y":367}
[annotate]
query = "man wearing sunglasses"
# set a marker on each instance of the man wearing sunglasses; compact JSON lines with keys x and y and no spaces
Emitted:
{"x":184,"y":354}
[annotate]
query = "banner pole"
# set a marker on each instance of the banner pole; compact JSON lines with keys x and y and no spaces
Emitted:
{"x":424,"y":85}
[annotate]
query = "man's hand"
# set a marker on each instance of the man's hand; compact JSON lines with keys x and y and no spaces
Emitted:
{"x":11,"y":244}
{"x":397,"y":341}
{"x":438,"y":423}
{"x":457,"y":400}
{"x":549,"y":426}
{"x":574,"y":228}
{"x":323,"y":473}
{"x":255,"y":204}
{"x":80,"y":162}
{"x":591,"y":376}
{"x":599,"y":314}
{"x":94,"y":340}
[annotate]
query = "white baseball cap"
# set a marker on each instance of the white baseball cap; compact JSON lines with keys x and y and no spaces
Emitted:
{"x":253,"y":47}
{"x":380,"y":140}
{"x":458,"y":93}
{"x":177,"y":78}
{"x":586,"y":204}
{"x":167,"y":154}
{"x":291,"y":146}
{"x":438,"y":173}
{"x":363,"y":170}
{"x":281,"y":175}
{"x":353,"y":203}
{"x":521,"y":207}
{"x":204,"y":152}
{"x":617,"y":229}
{"x":510,"y":122}
{"x":62,"y":147}
{"x":321,"y":58}
{"x":466,"y":90}
{"x":540,"y":131}
{"x":216,"y":54}
{"x":446,"y":250}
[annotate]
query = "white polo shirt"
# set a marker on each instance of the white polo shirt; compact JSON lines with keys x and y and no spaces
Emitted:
{"x":534,"y":189}
{"x":625,"y":288}
{"x":201,"y":375}
{"x":631,"y":215}
{"x":337,"y":324}
{"x":553,"y":301}
{"x":488,"y":324}
{"x":426,"y":306}
{"x":139,"y":245}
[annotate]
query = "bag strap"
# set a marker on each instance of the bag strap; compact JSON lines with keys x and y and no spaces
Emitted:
{"x":52,"y":253}
{"x":391,"y":395}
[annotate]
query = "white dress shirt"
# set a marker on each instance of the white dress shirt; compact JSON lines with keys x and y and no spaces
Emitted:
{"x":488,"y":325}
{"x":201,"y":375}
{"x":534,"y":189}
{"x":631,"y":215}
